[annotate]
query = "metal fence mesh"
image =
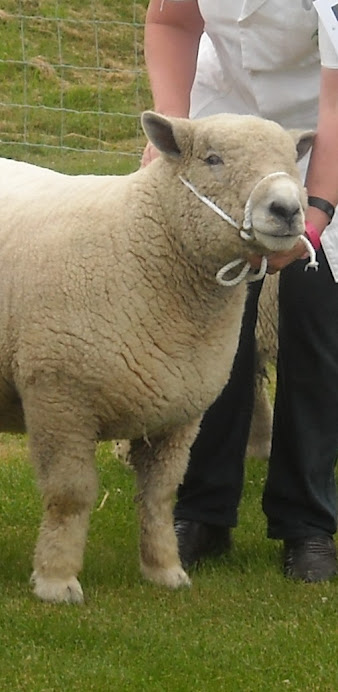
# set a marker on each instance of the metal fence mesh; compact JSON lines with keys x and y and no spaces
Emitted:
{"x":72,"y":75}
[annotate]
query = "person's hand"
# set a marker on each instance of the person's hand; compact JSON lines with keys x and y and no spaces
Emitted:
{"x":150,"y":153}
{"x":281,"y":259}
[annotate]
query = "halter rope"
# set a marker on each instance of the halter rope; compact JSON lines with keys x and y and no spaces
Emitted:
{"x":247,"y":225}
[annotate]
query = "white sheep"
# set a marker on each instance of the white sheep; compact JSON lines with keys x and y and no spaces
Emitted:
{"x":113,"y":325}
{"x":259,"y":443}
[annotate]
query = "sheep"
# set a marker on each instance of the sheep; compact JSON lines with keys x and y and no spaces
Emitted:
{"x":259,"y":443}
{"x":120,"y":308}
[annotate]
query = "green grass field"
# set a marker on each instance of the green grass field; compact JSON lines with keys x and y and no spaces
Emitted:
{"x":72,"y":90}
{"x":241,"y":627}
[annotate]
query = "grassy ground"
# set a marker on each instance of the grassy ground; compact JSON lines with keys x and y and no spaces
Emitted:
{"x":72,"y":90}
{"x":241,"y":626}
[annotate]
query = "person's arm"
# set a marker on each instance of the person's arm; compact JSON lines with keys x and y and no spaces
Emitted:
{"x":322,"y":175}
{"x":171,"y":39}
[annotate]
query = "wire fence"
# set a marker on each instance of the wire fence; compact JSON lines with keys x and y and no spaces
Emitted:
{"x":72,"y":75}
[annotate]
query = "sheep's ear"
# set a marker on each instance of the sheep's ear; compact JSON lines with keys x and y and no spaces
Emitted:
{"x":303,"y":141}
{"x":160,"y":131}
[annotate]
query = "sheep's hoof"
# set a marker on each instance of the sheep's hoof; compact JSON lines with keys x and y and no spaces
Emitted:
{"x":57,"y":590}
{"x":174,"y":577}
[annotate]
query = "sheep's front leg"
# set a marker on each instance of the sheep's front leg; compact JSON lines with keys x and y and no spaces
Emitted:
{"x":160,"y":467}
{"x":63,"y":453}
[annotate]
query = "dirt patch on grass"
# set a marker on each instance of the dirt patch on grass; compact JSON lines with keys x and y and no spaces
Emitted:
{"x":12,"y":447}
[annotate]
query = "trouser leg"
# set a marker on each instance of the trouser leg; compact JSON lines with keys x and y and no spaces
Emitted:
{"x":300,"y":494}
{"x":213,"y":482}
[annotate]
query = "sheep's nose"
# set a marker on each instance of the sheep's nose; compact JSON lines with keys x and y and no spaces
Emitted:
{"x":284,"y":212}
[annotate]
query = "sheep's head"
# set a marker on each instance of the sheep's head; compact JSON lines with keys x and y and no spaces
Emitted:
{"x":246,"y":167}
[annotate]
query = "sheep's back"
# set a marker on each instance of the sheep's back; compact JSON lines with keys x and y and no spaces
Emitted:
{"x":82,"y":306}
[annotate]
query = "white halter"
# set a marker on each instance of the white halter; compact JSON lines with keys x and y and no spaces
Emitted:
{"x":247,"y":225}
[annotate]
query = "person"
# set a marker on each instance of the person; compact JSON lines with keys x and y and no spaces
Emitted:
{"x":272,"y":59}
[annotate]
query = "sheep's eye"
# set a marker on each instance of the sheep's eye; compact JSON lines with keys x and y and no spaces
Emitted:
{"x":213,"y":160}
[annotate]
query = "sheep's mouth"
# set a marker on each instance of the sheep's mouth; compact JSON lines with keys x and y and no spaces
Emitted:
{"x":273,"y":242}
{"x":276,"y":241}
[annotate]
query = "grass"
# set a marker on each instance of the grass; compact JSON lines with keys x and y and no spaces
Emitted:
{"x":74,"y":85}
{"x":242,"y":626}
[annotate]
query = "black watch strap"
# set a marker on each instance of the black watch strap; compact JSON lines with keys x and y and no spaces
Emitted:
{"x":322,"y":204}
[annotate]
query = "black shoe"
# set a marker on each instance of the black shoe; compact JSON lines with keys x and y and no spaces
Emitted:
{"x":197,"y":541}
{"x":311,"y":558}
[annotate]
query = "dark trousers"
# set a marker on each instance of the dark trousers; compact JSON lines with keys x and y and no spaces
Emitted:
{"x":300,"y":494}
